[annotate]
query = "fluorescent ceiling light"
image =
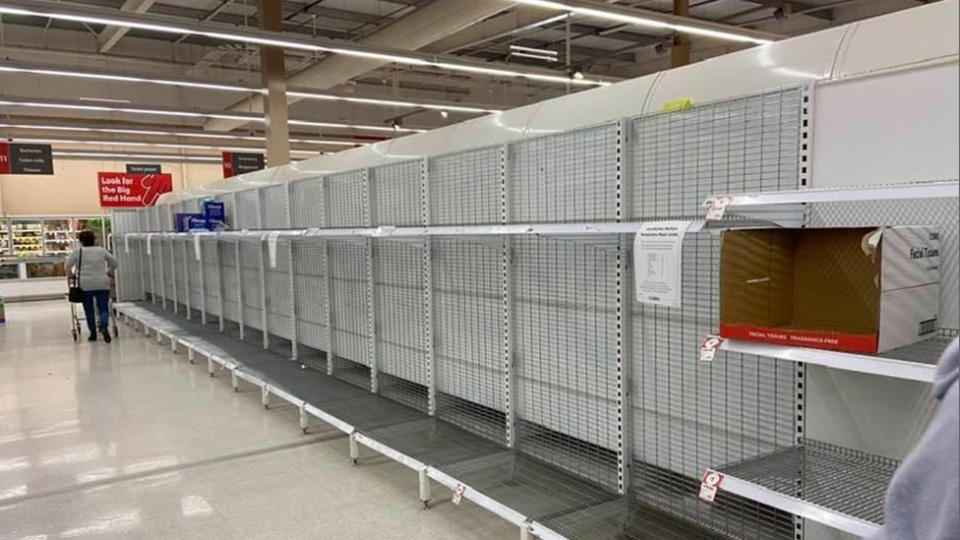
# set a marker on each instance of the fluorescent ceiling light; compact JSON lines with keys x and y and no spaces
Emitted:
{"x":351,"y":126}
{"x":535,"y":56}
{"x":640,"y":20}
{"x":243,"y":89}
{"x":103,"y":100}
{"x":194,"y":134}
{"x":168,"y":157}
{"x":183,"y":146}
{"x":193,"y":114}
{"x":531,"y":50}
{"x":57,"y":12}
{"x":392,"y":102}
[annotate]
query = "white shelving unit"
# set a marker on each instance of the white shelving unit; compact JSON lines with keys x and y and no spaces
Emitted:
{"x":777,"y":479}
{"x":835,"y":486}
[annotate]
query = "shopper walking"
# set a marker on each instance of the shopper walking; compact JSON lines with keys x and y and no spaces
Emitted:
{"x":91,"y":267}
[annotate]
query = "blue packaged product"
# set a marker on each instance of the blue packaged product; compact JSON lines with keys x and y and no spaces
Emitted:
{"x":214,"y":210}
{"x":197,"y":223}
{"x":215,"y":225}
{"x":182,"y":221}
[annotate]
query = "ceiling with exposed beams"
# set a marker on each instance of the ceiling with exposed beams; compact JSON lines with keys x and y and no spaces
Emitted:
{"x":494,"y":32}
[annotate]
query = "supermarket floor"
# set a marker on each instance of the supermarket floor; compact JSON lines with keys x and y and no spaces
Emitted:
{"x":130,"y":441}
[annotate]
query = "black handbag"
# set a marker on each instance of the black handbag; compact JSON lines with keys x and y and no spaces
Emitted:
{"x":75,"y":294}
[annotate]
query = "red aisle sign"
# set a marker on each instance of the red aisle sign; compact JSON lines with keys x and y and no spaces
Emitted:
{"x":237,"y":163}
{"x":227,"y":158}
{"x":132,"y":190}
{"x":4,"y":158}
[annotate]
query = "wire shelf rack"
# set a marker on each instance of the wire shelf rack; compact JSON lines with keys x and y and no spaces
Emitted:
{"x":834,"y":477}
{"x":474,"y":310}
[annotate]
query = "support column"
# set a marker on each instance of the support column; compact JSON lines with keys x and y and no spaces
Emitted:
{"x":680,"y":53}
{"x":274,"y":80}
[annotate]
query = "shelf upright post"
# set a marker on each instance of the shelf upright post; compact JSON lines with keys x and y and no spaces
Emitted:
{"x":427,"y":274}
{"x":262,"y":271}
{"x":328,"y":288}
{"x":291,"y":290}
{"x":186,"y":279}
{"x":218,"y":261}
{"x":625,"y":425}
{"x":143,"y":260}
{"x":173,"y":276}
{"x":163,"y":274}
{"x":240,"y":302}
{"x":198,"y":253}
{"x":368,"y":195}
{"x":506,"y":271}
{"x":153,"y":271}
{"x":800,"y":368}
{"x":261,"y":267}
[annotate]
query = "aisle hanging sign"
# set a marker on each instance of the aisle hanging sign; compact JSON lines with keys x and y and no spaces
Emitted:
{"x":658,"y":262}
{"x":26,"y":158}
{"x":235,"y":163}
{"x":143,"y":168}
{"x":119,"y":189}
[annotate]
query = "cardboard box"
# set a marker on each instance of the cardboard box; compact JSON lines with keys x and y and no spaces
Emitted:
{"x":862,"y":290}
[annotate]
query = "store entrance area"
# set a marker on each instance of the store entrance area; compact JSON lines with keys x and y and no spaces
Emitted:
{"x":129,"y":440}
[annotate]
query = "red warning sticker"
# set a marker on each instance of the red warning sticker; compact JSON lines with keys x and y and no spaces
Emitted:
{"x":458,"y":493}
{"x":717,"y":207}
{"x":708,"y":348}
{"x":709,"y":485}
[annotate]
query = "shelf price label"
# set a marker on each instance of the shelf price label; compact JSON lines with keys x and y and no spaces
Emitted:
{"x":716,"y":208}
{"x":458,"y":494}
{"x":710,"y":485}
{"x":709,"y":347}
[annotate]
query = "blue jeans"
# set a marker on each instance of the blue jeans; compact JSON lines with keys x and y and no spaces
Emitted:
{"x":103,"y":303}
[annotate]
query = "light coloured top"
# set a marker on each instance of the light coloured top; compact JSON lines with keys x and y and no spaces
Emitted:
{"x":95,"y":265}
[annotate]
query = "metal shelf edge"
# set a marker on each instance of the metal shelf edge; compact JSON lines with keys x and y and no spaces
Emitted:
{"x":900,"y":369}
{"x":931,"y":190}
{"x":798,"y":507}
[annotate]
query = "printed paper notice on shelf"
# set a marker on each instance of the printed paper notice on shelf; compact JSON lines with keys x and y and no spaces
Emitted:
{"x":657,"y":262}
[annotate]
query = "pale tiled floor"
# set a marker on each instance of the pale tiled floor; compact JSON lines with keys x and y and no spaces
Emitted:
{"x":130,"y":441}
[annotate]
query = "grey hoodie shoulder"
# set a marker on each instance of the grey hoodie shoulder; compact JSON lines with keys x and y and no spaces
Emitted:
{"x":923,"y":500}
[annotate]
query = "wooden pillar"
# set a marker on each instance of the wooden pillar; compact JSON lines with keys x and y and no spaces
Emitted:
{"x":274,"y":80}
{"x":680,"y":52}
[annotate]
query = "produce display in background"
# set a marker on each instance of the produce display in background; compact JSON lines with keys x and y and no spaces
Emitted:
{"x":58,"y":237}
{"x":27,"y":237}
{"x":99,"y":226}
{"x":45,"y":269}
{"x":4,"y":238}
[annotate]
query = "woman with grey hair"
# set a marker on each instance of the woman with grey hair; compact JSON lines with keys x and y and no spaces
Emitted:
{"x":91,"y":267}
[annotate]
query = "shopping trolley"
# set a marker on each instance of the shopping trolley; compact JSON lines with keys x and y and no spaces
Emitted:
{"x":78,"y":319}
